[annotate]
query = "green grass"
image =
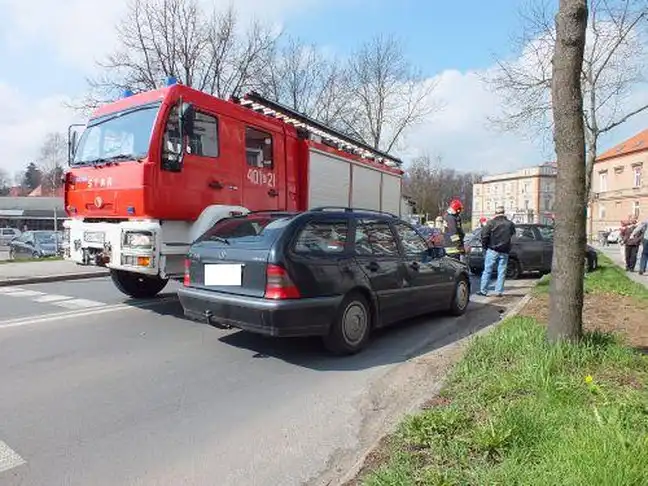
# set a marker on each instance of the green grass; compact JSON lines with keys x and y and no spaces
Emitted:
{"x":21,"y":260}
{"x":539,"y":420}
{"x":608,"y":278}
{"x":519,"y":411}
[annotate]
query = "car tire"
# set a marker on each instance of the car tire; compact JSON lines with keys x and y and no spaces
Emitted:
{"x":352,"y":326}
{"x":460,"y":297}
{"x":136,"y":285}
{"x":513,"y":269}
{"x":35,"y":254}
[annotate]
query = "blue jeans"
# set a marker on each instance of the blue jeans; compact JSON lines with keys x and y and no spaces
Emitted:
{"x":490,"y":259}
{"x":644,"y":257}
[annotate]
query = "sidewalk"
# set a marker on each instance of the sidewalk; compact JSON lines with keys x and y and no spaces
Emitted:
{"x":615,"y":253}
{"x":22,"y":273}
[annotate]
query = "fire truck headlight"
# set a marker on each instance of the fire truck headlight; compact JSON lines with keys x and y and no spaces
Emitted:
{"x":138,"y":239}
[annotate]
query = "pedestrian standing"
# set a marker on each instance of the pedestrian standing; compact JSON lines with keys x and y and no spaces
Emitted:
{"x":496,"y":240}
{"x":640,"y":234}
{"x":631,"y":243}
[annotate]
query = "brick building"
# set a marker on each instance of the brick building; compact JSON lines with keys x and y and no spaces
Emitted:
{"x":619,"y":185}
{"x":527,"y":195}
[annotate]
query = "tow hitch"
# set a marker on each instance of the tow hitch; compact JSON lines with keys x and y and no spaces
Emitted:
{"x":210,"y":320}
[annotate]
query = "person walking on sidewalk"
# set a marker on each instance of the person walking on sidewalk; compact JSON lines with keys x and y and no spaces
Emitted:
{"x":640,"y":235}
{"x":496,"y":240}
{"x":631,"y":243}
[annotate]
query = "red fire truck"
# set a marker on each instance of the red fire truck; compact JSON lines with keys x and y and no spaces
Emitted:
{"x":151,"y":172}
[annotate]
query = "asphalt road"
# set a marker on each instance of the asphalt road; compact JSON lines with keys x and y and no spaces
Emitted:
{"x":100,"y":390}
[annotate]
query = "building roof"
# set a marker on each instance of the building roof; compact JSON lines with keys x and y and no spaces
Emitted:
{"x":17,"y":206}
{"x":638,"y":143}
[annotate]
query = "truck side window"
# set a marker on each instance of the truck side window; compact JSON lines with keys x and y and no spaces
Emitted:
{"x":258,"y":148}
{"x":202,"y":142}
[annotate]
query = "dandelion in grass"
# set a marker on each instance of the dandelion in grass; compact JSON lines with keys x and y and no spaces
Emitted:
{"x":589,"y":379}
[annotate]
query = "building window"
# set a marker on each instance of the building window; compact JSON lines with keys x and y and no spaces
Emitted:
{"x":603,"y":182}
{"x":635,"y":209}
{"x":637,"y":177}
{"x":488,"y":205}
{"x":258,"y":148}
{"x":526,"y":188}
{"x":547,"y":203}
{"x":601,"y":212}
{"x":476,"y":205}
{"x":526,"y":204}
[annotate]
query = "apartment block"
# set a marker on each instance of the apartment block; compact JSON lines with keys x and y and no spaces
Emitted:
{"x":527,"y":194}
{"x":619,"y":185}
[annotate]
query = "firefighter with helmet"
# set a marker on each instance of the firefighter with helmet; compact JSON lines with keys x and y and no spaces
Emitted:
{"x":453,"y":233}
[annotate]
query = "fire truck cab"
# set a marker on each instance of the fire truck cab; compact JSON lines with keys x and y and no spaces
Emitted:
{"x":151,"y":172}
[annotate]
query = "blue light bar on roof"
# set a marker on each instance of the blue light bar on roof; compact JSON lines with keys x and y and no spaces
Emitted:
{"x":171,"y":80}
{"x":127,"y":93}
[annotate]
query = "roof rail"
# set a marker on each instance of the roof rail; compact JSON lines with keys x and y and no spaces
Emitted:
{"x":347,"y":209}
{"x":256,"y":102}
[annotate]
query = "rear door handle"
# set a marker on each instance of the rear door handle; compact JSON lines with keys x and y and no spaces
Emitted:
{"x":273,"y":193}
{"x":373,"y":266}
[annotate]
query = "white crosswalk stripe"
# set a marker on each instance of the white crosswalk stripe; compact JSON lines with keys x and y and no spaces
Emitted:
{"x":79,"y":304}
{"x":48,"y":298}
{"x":25,"y":293}
{"x":65,"y":301}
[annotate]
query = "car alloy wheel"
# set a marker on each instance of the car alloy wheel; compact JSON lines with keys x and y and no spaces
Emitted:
{"x":463,"y":294}
{"x":351,"y":327}
{"x":461,"y":297}
{"x":355,"y":322}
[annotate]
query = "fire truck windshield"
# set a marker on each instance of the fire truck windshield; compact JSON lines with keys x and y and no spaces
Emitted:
{"x":120,"y":136}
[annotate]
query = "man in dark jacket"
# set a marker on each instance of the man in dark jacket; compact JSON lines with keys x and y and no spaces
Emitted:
{"x":496,"y":240}
{"x":453,"y":233}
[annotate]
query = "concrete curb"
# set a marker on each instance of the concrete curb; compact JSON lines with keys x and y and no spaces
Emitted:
{"x":52,"y":278}
{"x":354,"y":470}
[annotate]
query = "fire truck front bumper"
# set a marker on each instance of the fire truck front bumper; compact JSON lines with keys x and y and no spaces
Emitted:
{"x":131,"y":245}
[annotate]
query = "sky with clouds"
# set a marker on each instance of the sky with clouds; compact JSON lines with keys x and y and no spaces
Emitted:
{"x":49,"y":48}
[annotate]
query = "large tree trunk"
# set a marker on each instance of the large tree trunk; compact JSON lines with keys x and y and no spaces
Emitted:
{"x":566,"y":300}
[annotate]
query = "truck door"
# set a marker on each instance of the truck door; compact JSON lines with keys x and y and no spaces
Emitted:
{"x":206,"y":177}
{"x":264,"y":166}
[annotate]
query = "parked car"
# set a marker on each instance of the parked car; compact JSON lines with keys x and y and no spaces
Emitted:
{"x":7,"y":235}
{"x":36,"y":244}
{"x":531,"y":252}
{"x":333,"y":273}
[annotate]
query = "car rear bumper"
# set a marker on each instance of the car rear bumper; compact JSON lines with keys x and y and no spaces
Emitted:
{"x":281,"y":318}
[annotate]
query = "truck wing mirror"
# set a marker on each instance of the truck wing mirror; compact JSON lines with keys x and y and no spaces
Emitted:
{"x":188,"y":115}
{"x":73,"y":139}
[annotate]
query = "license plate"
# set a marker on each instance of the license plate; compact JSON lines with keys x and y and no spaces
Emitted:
{"x":94,"y":236}
{"x":224,"y":274}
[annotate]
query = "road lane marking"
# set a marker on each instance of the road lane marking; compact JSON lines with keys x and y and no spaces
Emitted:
{"x":25,"y":293}
{"x":58,"y":316}
{"x":9,"y":458}
{"x":52,"y":298}
{"x":79,"y":304}
{"x":10,"y":290}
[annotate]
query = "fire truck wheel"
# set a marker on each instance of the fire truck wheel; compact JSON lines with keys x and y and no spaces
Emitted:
{"x":352,"y":326}
{"x":137,"y":285}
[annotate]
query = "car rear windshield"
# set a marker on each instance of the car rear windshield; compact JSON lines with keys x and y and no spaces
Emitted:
{"x":255,"y":229}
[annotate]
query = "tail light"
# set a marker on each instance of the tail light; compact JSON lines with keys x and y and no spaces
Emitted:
{"x":279,"y":286}
{"x":187,"y":277}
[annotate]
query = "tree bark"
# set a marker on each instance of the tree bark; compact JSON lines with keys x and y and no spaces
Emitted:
{"x":566,"y":298}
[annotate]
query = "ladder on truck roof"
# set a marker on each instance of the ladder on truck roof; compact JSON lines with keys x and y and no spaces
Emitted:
{"x":258,"y":103}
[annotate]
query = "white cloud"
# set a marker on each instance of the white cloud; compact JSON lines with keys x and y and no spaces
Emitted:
{"x":82,"y":31}
{"x":24,"y":122}
{"x":460,"y":132}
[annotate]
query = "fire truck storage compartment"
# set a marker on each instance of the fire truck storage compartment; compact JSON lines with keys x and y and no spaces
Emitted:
{"x":391,"y":194}
{"x":328,"y":180}
{"x":330,"y":184}
{"x":365,"y":188}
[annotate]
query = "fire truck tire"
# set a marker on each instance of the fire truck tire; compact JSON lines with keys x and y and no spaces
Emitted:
{"x":351,"y":328}
{"x":137,"y":285}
